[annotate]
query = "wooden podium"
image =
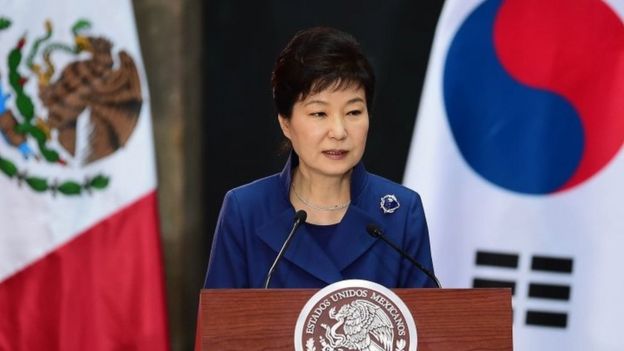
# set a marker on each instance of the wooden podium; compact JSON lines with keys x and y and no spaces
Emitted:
{"x":446,"y":319}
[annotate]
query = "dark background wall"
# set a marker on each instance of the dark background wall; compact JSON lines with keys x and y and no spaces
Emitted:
{"x":209,"y":65}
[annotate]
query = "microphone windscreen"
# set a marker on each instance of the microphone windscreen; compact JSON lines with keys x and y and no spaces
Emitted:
{"x":301,"y":216}
{"x":373,"y":230}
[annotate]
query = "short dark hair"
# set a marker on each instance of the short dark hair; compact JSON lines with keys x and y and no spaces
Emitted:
{"x":316,"y":59}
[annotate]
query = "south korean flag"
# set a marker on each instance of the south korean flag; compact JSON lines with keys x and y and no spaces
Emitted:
{"x":517,"y":153}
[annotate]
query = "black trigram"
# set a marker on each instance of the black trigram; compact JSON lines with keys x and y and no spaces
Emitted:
{"x":508,"y":263}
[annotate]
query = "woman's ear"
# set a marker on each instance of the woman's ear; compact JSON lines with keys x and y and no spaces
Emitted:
{"x":285,"y":125}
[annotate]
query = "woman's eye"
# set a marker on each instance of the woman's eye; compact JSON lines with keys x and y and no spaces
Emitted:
{"x":355,"y":113}
{"x":317,"y":114}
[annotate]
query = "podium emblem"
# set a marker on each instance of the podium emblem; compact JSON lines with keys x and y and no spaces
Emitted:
{"x":355,"y":315}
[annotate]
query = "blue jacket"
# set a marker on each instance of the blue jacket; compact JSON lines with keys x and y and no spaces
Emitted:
{"x":256,"y":218}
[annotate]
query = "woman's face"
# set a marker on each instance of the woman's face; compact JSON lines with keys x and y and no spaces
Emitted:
{"x":328,"y":130}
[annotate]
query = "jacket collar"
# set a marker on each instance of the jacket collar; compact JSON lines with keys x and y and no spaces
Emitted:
{"x":359,"y":178}
{"x":350,"y":242}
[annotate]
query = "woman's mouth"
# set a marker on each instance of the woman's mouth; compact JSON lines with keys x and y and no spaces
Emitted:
{"x":335,"y":154}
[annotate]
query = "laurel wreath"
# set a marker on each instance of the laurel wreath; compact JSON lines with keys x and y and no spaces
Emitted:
{"x":310,"y":345}
{"x":41,"y":184}
{"x":400,"y":345}
{"x":4,"y":23}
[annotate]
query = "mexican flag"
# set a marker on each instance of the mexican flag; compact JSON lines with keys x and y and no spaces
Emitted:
{"x":80,"y":254}
{"x":517,"y":153}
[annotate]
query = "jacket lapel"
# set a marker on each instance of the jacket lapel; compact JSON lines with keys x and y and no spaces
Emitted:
{"x":351,"y":239}
{"x":303,"y":251}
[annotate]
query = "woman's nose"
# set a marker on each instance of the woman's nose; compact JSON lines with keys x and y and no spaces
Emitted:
{"x":337,"y":128}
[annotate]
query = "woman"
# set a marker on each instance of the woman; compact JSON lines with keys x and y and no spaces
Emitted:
{"x":323,"y":89}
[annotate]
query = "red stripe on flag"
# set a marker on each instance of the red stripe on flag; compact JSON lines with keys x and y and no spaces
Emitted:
{"x":104,"y":290}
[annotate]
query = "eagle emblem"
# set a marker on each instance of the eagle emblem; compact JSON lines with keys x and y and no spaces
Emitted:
{"x":355,"y":315}
{"x":65,"y":105}
{"x":365,"y":327}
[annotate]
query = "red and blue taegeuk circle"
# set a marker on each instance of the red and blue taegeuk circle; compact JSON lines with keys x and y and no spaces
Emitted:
{"x":534,"y":92}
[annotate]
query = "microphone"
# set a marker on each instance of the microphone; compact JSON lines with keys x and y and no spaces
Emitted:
{"x":375,"y":232}
{"x":300,"y":217}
